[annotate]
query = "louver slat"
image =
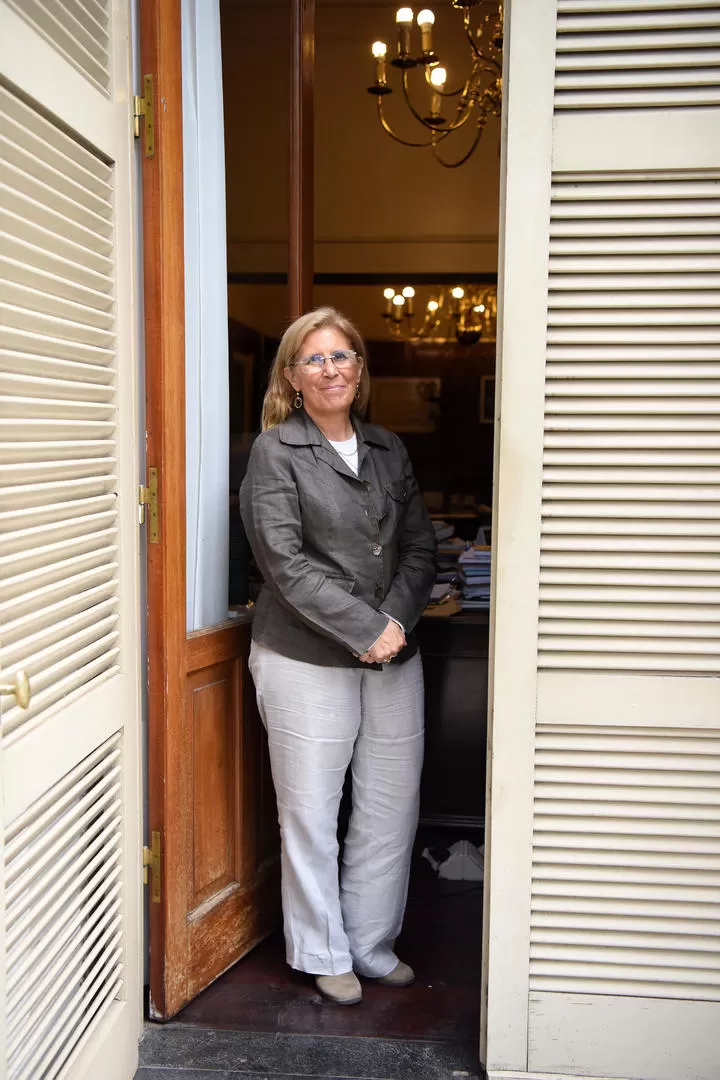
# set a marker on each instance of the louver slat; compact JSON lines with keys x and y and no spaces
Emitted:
{"x":58,"y":364}
{"x":64,"y":935}
{"x":630,"y":549}
{"x":80,"y":31}
{"x":626,"y":864}
{"x":650,"y":55}
{"x":58,"y":460}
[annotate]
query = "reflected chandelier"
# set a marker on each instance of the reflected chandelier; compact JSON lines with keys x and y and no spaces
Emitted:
{"x":479,"y":97}
{"x":463,"y":314}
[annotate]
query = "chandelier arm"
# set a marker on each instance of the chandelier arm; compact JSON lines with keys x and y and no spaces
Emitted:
{"x":478,"y":54}
{"x":408,"y":102}
{"x":462,"y":160}
{"x":391,"y":133}
{"x":440,"y":131}
{"x":496,"y":69}
{"x":457,"y":123}
{"x":469,"y":35}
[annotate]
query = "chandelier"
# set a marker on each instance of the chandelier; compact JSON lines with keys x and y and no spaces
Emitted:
{"x":464,"y":314}
{"x":478,"y":98}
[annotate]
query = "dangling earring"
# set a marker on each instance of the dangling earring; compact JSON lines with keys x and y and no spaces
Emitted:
{"x":357,"y":390}
{"x":298,"y":402}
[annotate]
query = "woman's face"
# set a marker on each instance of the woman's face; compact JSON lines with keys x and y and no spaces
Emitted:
{"x":327,"y":389}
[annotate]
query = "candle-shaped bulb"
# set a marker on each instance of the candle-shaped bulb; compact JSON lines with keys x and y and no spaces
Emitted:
{"x":438,"y":76}
{"x":432,"y":306}
{"x":379,"y":49}
{"x":398,"y":300}
{"x":425,"y":21}
{"x":404,"y":20}
{"x":458,"y":292}
{"x":408,"y":293}
{"x":388,"y":293}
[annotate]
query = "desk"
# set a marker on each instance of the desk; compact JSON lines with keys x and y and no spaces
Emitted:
{"x":455,"y":661}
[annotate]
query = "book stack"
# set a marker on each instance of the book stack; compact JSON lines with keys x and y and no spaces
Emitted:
{"x":449,"y":548}
{"x":474,"y":564}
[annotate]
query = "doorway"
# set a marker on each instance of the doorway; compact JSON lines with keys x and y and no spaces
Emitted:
{"x":385,"y":217}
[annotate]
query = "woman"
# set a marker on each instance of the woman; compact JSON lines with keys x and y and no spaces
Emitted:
{"x":339,"y":530}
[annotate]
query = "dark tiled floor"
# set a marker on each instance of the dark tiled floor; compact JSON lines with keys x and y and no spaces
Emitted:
{"x":263,"y":1020}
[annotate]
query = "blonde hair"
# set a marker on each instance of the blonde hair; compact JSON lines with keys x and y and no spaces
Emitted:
{"x":279,"y":397}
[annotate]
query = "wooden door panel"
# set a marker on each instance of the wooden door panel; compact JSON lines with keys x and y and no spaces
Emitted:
{"x":213,"y":715}
{"x":233,"y":876}
{"x":211,"y":798}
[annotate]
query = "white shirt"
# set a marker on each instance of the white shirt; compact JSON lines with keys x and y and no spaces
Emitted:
{"x":348,"y":451}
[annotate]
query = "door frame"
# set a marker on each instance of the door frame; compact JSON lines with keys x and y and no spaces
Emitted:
{"x":170,"y":647}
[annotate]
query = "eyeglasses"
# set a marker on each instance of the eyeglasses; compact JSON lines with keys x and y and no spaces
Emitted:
{"x":341,"y":358}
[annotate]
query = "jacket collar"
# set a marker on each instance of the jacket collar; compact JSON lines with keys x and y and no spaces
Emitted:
{"x":300,"y":430}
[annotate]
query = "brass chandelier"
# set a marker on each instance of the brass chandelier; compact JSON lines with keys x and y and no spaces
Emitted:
{"x":464,"y":314}
{"x":478,"y":98}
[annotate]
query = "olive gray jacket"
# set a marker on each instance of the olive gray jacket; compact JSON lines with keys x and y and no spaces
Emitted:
{"x":335,"y":548}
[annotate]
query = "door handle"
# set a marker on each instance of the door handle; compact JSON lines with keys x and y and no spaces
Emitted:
{"x":19,"y":688}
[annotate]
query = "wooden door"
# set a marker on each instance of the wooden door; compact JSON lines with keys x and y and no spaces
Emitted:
{"x":603,"y":891}
{"x":70,"y":893}
{"x":211,"y":802}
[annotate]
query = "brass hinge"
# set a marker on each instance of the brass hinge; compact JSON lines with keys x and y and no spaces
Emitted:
{"x":145,"y":107}
{"x":151,"y":860}
{"x":148,"y":496}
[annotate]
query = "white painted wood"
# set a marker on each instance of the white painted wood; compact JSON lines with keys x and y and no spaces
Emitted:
{"x":68,"y":526}
{"x":663,"y":140}
{"x":617,"y":585}
{"x":524,"y":274}
{"x":604,"y":1036}
{"x":585,"y":698}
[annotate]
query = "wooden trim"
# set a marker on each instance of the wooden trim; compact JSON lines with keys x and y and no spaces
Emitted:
{"x":160,"y":54}
{"x":226,"y":641}
{"x":300,"y":277}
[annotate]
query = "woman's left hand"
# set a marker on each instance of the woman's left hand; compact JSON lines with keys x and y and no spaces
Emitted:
{"x":389,"y":644}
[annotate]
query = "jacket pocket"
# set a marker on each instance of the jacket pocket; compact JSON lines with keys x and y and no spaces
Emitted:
{"x":345,"y":582}
{"x":399,"y":490}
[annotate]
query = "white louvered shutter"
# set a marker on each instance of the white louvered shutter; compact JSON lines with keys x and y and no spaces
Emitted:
{"x":613,"y":587}
{"x":68,"y":545}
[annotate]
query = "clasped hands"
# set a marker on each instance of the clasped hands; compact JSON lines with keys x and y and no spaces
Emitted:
{"x":389,"y":644}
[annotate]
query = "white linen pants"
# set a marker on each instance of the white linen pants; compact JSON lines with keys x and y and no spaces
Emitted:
{"x":320,"y":720}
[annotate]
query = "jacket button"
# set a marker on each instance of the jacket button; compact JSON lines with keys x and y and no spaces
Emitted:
{"x":377,"y":549}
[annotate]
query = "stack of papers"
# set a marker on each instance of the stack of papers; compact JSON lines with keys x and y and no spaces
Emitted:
{"x":475,"y":578}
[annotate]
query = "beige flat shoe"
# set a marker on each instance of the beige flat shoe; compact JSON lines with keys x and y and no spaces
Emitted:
{"x":342,"y":989}
{"x":401,"y":975}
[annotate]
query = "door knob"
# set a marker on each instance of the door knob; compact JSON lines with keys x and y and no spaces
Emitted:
{"x":19,"y":688}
